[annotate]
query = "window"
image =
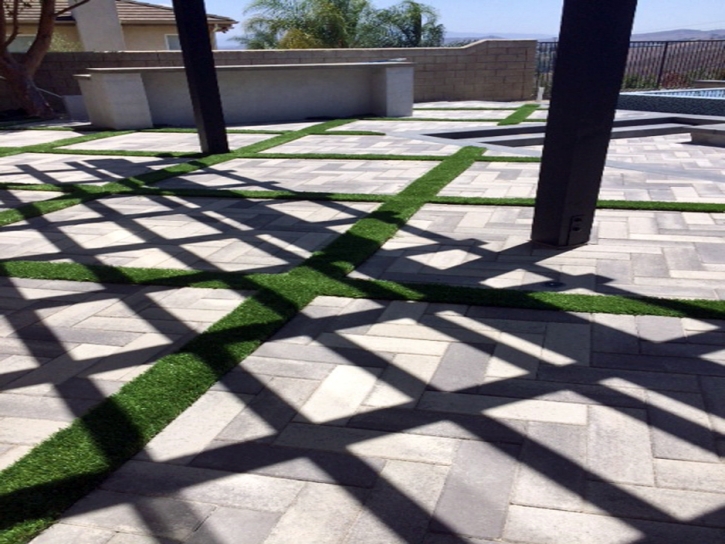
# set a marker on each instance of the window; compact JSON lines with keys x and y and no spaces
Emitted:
{"x":21,"y":43}
{"x":172,"y":42}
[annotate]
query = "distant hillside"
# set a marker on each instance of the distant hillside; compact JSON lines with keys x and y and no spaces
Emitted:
{"x":681,"y":34}
{"x":459,"y":36}
{"x":668,"y":35}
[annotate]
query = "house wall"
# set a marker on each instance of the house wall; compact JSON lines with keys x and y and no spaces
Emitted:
{"x":151,"y":37}
{"x":62,"y":35}
{"x":486,"y":70}
{"x":136,"y":37}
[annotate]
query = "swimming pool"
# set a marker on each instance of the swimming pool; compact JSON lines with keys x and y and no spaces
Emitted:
{"x":692,"y":101}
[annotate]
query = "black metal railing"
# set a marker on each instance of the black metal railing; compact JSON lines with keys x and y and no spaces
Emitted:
{"x":650,"y":65}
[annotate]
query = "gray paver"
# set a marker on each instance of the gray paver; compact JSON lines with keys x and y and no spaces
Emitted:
{"x":150,"y":141}
{"x":475,"y":498}
{"x":467,"y":249}
{"x":75,"y":169}
{"x":364,"y":145}
{"x":376,"y":421}
{"x":235,"y":526}
{"x":21,"y":138}
{"x":170,"y":232}
{"x":334,"y":176}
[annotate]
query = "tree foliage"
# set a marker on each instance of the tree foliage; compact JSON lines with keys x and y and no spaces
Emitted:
{"x":19,"y":70}
{"x":306,"y":24}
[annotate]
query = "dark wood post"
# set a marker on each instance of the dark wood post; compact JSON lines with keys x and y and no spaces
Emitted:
{"x":201,"y":74}
{"x":590,"y":63}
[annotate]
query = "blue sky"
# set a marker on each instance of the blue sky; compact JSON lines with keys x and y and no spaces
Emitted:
{"x":533,"y":16}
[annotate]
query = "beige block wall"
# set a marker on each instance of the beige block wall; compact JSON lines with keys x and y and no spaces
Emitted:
{"x":486,"y":70}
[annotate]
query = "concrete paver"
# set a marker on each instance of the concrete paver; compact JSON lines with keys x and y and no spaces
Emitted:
{"x":362,"y":145}
{"x":22,"y":138}
{"x":69,"y":168}
{"x":171,"y":232}
{"x":370,"y":421}
{"x":335,"y":176}
{"x":474,"y":462}
{"x":166,"y":141}
{"x":478,"y":245}
{"x":519,"y":180}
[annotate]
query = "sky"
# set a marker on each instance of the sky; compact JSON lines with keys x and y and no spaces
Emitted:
{"x":529,"y":16}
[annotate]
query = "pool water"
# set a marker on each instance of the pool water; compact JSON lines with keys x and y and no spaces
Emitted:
{"x":691,"y":101}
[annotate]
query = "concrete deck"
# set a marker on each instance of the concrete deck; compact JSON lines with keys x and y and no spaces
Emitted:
{"x":368,"y":421}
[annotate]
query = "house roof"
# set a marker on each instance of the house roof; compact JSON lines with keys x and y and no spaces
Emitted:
{"x":131,"y":12}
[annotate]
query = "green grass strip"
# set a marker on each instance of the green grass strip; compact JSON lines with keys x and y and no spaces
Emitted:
{"x":38,"y":187}
{"x":658,"y":205}
{"x":482,"y":201}
{"x":520,"y":114}
{"x":505,"y":298}
{"x":269,"y":195}
{"x":127,"y":275}
{"x":491,"y":158}
{"x":696,"y":207}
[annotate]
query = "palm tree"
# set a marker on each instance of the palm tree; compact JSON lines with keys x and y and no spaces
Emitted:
{"x":409,"y":24}
{"x":305,"y":24}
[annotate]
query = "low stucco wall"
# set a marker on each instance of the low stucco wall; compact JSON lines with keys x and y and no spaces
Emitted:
{"x":485,"y":70}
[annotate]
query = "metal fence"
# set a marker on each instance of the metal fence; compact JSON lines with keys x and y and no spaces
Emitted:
{"x":651,"y":65}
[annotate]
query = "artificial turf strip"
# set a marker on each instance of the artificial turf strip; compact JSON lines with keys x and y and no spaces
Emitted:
{"x":519,"y":115}
{"x":42,"y":187}
{"x":267,"y":195}
{"x":660,"y":206}
{"x":132,"y":276}
{"x":492,"y":158}
{"x":530,"y":300}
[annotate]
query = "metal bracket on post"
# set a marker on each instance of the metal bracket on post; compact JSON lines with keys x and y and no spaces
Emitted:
{"x":590,"y":64}
{"x":201,"y":74}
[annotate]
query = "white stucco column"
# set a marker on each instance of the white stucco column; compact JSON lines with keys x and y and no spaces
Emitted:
{"x":98,"y":25}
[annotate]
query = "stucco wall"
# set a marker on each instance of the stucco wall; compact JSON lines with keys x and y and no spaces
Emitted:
{"x":486,"y":70}
{"x":151,"y":38}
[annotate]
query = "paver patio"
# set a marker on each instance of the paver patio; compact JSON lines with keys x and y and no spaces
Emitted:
{"x":363,"y":420}
{"x":69,"y":168}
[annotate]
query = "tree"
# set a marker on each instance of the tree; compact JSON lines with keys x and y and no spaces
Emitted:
{"x":408,"y":24}
{"x":305,"y":24}
{"x":19,"y":70}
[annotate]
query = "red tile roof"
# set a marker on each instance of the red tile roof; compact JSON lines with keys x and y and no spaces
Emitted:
{"x":130,"y":12}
